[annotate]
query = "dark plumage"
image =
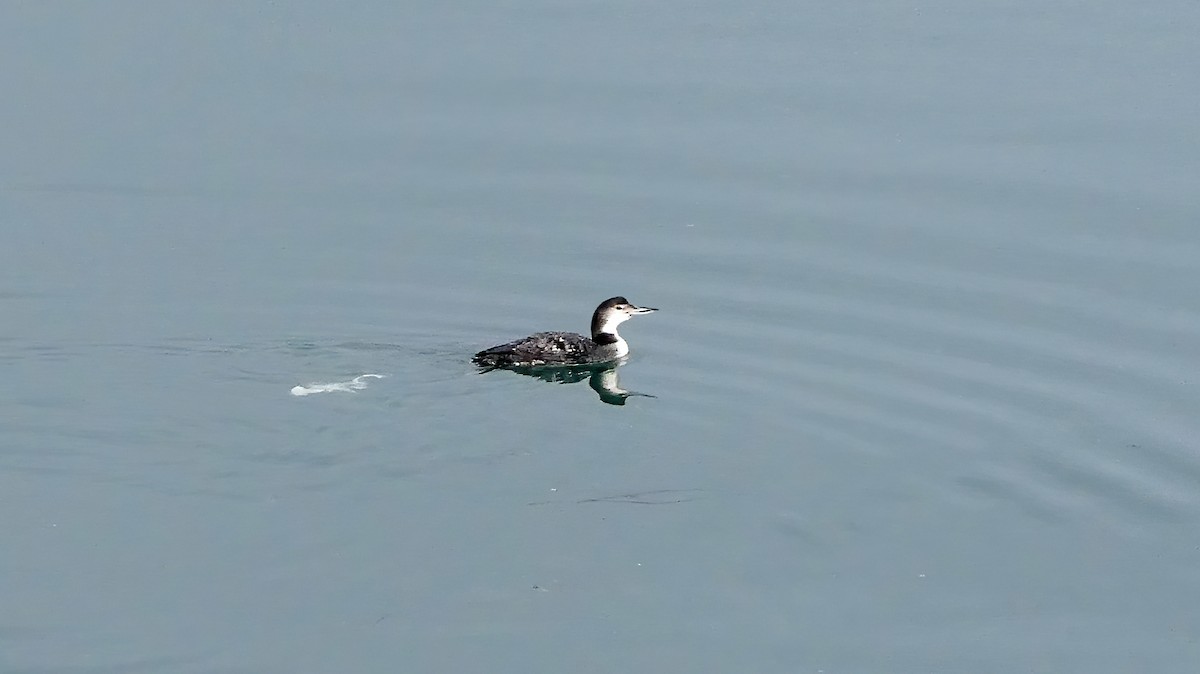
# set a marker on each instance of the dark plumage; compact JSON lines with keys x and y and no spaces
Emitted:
{"x":543,"y":348}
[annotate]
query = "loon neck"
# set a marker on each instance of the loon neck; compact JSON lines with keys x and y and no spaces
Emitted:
{"x":603,"y":338}
{"x":605,"y":322}
{"x":611,"y":340}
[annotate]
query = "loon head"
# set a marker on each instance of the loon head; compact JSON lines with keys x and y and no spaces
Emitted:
{"x":613,"y":312}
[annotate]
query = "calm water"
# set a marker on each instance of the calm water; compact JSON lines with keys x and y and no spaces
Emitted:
{"x":925,"y":366}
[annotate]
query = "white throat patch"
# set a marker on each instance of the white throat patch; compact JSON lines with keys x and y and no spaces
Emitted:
{"x":612,"y":319}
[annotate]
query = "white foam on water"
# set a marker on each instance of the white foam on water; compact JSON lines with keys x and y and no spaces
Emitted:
{"x":357,"y":384}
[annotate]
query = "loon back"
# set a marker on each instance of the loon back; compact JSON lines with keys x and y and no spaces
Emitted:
{"x":543,"y":348}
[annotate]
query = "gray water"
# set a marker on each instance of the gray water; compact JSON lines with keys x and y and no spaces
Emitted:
{"x":924,"y":370}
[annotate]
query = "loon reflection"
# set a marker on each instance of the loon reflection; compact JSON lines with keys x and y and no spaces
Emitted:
{"x":602,"y":378}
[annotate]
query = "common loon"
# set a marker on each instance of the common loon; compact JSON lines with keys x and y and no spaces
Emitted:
{"x":567,"y":348}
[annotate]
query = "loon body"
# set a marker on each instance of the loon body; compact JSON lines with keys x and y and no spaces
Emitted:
{"x":562,"y":349}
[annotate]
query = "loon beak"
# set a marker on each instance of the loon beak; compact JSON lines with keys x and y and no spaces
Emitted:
{"x":634,"y":311}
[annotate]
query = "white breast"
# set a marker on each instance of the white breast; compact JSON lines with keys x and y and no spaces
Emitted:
{"x":622,"y":347}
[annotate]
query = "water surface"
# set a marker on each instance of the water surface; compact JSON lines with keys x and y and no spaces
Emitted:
{"x":924,"y":366}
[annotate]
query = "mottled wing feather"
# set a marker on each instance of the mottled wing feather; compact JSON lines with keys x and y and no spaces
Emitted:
{"x":543,"y":348}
